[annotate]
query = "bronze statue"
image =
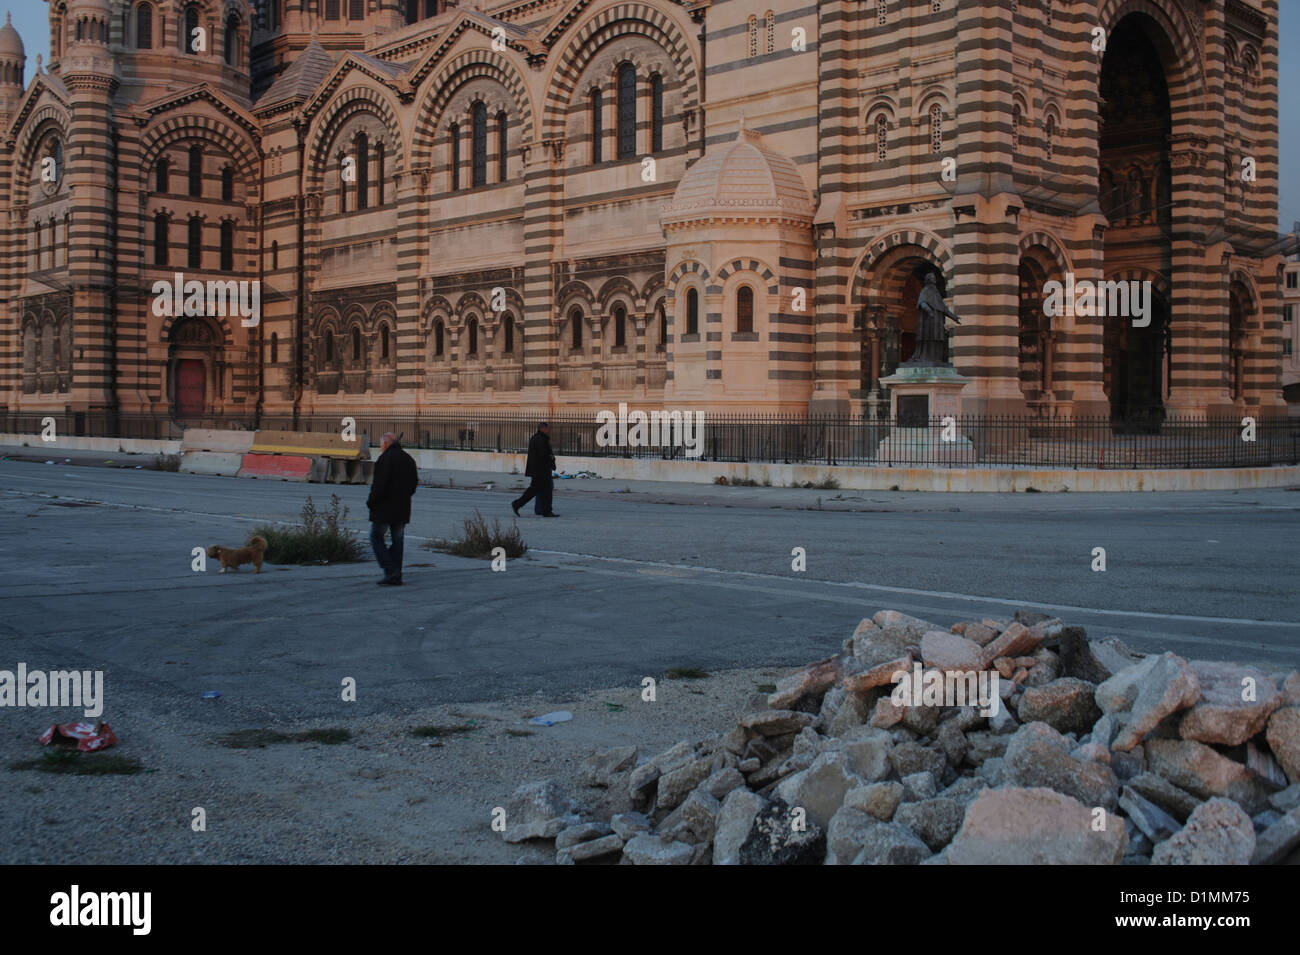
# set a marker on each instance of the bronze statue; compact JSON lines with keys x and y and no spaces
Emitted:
{"x":931,"y":338}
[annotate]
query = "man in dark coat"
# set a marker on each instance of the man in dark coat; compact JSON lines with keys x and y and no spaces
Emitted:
{"x":539,"y":466}
{"x":395,"y":480}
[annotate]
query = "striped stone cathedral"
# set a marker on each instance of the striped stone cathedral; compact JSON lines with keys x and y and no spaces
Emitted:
{"x":712,"y":204}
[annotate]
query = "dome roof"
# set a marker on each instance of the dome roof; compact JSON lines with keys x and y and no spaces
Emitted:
{"x":741,"y":177}
{"x":11,"y":44}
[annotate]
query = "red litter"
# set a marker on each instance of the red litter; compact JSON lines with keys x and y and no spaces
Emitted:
{"x":86,"y":737}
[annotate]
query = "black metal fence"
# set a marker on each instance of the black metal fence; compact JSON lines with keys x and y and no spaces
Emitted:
{"x":966,"y":441}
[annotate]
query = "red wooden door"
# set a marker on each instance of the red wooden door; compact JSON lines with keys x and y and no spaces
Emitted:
{"x":189,"y":387}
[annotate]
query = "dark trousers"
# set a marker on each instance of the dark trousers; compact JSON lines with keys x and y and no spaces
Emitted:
{"x":390,"y":558}
{"x":542,"y":487}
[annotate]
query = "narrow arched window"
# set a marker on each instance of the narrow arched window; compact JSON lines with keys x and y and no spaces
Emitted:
{"x":882,"y":138}
{"x":626,"y":111}
{"x":160,"y":176}
{"x":275,"y":255}
{"x":160,"y":239}
{"x":478,"y":125}
{"x":454,"y":132}
{"x":190,"y":29}
{"x":275,"y":348}
{"x":144,"y":27}
{"x":936,"y":129}
{"x":412,"y":11}
{"x":383,"y":342}
{"x":227,"y":184}
{"x":503,"y":147}
{"x":356,"y":9}
{"x":196,"y":171}
{"x":194,"y":243}
{"x":430,"y":8}
{"x":770,"y":19}
{"x":230,"y":43}
{"x":329,"y":347}
{"x":662,"y":319}
{"x":472,"y":330}
{"x":356,"y":343}
{"x":227,"y":246}
{"x":1015,"y":130}
{"x":361,"y":146}
{"x":656,"y":113}
{"x":882,"y":12}
{"x":437,"y":340}
{"x":379,"y":174}
{"x":692,"y":312}
{"x":744,"y":309}
{"x":1049,"y":137}
{"x":576,"y":317}
{"x":597,"y":130}
{"x":620,"y":327}
{"x":331,"y":9}
{"x":343,"y":183}
{"x":508,"y":327}
{"x":753,"y":36}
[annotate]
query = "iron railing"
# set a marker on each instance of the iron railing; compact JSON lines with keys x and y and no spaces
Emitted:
{"x":965,"y":441}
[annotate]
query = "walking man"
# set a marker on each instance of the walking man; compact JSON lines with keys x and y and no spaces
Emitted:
{"x":390,"y":506}
{"x":538,"y":467}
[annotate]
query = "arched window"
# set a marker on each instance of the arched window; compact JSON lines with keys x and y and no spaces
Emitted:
{"x":329,"y":347}
{"x":227,"y":246}
{"x":744,"y":309}
{"x":1015,"y":130}
{"x":160,"y":239}
{"x":383,"y":343}
{"x":361,"y":146}
{"x":478,"y":125}
{"x":160,"y":176}
{"x":275,"y":348}
{"x":438,"y":349}
{"x":656,"y":113}
{"x":273,"y":13}
{"x":36,"y":246}
{"x":882,"y":12}
{"x":230,"y":43}
{"x":662,"y":319}
{"x":508,"y":336}
{"x":356,"y":9}
{"x":144,"y":27}
{"x":412,"y":11}
{"x":770,"y":19}
{"x":227,"y":184}
{"x":356,"y":343}
{"x":575,"y":317}
{"x":936,"y":129}
{"x":503,"y":147}
{"x":882,"y":138}
{"x":189,"y":29}
{"x":597,"y":131}
{"x":620,"y":326}
{"x":379,"y":174}
{"x":430,"y":8}
{"x":471,"y":330}
{"x":196,"y":171}
{"x":331,"y":9}
{"x":194,"y":243}
{"x":275,"y":255}
{"x":692,"y":312}
{"x":454,"y":132}
{"x":626,"y":111}
{"x":1049,"y":137}
{"x":753,"y":36}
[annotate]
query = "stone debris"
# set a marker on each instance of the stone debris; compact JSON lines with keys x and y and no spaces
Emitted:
{"x":1081,"y":752}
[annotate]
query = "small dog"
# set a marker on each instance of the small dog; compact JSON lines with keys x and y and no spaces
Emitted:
{"x":234,"y":556}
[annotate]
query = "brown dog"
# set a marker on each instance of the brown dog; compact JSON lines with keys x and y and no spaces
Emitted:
{"x":234,"y":556}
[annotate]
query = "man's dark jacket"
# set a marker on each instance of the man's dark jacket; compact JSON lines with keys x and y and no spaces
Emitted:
{"x":395,"y":480}
{"x":541,"y":461}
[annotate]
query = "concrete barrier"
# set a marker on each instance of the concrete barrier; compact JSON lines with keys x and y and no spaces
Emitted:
{"x":348,"y":472}
{"x":213,"y":439}
{"x":110,"y":445}
{"x":309,"y":443}
{"x":276,"y":467}
{"x":219,"y":463}
{"x":881,"y":478}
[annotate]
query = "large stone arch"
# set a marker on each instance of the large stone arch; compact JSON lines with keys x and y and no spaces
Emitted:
{"x":236,"y":144}
{"x":37,"y":128}
{"x":590,"y":36}
{"x":447,"y":81}
{"x":1179,"y":31}
{"x":342,"y":107}
{"x":932,"y":247}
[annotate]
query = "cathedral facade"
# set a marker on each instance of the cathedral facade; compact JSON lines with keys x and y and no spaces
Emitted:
{"x":727,"y":205}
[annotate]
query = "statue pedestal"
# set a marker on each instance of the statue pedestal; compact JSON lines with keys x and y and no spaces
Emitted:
{"x":919,"y":394}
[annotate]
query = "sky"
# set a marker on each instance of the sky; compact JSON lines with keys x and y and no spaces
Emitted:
{"x":31,"y":20}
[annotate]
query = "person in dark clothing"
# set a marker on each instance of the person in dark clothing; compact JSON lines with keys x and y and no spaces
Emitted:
{"x":394,"y":483}
{"x":539,"y":466}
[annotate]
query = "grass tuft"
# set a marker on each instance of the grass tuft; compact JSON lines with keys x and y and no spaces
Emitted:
{"x":479,"y":540}
{"x":320,"y":537}
{"x":686,"y":673}
{"x":261,"y":738}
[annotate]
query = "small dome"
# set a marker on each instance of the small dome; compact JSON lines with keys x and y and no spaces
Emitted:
{"x":11,"y":44}
{"x":742,"y":177}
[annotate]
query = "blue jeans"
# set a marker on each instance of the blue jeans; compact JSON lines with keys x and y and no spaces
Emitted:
{"x":390,"y":558}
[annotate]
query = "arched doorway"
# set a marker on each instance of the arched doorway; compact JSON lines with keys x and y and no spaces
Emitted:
{"x":194,"y":367}
{"x":1133,"y":191}
{"x":1035,"y":333}
{"x":887,"y":323}
{"x":1240,"y":309}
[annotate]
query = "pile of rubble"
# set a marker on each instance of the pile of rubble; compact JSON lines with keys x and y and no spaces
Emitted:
{"x":1086,"y":754}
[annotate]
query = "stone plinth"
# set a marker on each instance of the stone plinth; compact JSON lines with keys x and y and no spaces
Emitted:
{"x":920,"y":394}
